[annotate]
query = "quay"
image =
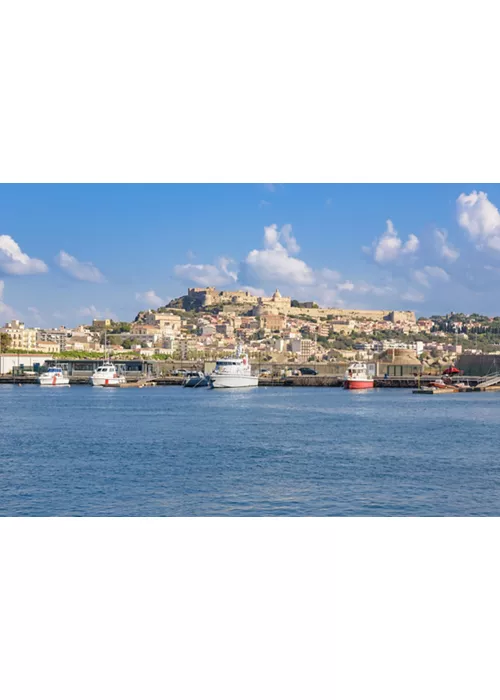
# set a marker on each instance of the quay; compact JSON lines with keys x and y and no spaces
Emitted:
{"x":319,"y":381}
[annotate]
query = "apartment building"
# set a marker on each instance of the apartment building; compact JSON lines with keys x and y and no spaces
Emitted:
{"x":21,"y":338}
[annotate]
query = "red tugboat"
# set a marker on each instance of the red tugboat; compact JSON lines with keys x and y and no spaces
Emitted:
{"x":357,"y":377}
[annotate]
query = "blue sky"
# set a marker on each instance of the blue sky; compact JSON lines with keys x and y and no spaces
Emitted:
{"x":72,"y":252}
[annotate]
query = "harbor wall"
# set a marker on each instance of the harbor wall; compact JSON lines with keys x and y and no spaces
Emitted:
{"x":478,"y":365}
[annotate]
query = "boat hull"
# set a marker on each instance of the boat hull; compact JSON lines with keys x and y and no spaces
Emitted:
{"x":358,"y":384}
{"x":195,"y":382}
{"x":232,"y":382}
{"x":53,"y":381}
{"x":107,"y":381}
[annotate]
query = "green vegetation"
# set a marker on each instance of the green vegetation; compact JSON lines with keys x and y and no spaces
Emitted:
{"x":5,"y":342}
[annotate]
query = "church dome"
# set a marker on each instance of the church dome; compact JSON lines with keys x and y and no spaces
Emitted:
{"x":277,"y":294}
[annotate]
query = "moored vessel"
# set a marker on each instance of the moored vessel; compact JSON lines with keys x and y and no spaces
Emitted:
{"x":195,"y":380}
{"x":357,"y":377}
{"x":107,"y":375}
{"x":233,"y":372}
{"x":54,"y":376}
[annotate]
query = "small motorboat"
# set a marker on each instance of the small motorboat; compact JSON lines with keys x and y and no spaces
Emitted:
{"x":195,"y":380}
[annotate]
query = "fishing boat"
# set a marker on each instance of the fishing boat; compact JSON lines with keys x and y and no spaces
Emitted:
{"x":233,"y":372}
{"x":54,"y":376}
{"x":357,"y":377}
{"x":195,"y":380}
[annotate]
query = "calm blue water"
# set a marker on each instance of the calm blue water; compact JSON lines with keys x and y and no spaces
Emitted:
{"x":169,"y":451}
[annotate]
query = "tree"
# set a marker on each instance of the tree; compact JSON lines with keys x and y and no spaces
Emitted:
{"x":5,"y":342}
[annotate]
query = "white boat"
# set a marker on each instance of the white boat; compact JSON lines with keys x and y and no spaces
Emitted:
{"x":54,"y":376}
{"x":107,"y":375}
{"x":195,"y":380}
{"x":233,"y":372}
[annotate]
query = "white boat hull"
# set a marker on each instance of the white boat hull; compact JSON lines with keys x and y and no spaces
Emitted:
{"x":232,"y":382}
{"x":53,"y":381}
{"x":107,"y":381}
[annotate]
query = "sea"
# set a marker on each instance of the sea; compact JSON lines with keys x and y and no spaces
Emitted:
{"x":266,"y":451}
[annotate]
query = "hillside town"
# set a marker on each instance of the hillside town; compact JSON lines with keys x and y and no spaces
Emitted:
{"x":207,"y":323}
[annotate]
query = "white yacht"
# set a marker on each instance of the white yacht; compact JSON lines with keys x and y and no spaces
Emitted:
{"x":233,"y":372}
{"x":54,"y":376}
{"x":107,"y":375}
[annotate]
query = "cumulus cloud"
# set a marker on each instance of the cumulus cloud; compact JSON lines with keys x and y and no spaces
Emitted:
{"x":429,"y":273}
{"x":217,"y":275}
{"x":413,"y":295}
{"x":93,"y":312}
{"x":330,"y":275}
{"x":275,"y":262}
{"x":150,"y":298}
{"x":480,"y":218}
{"x":256,"y":291}
{"x":6,"y":311}
{"x":389,"y":247}
{"x":14,"y":262}
{"x":445,"y":249}
{"x":84,"y":271}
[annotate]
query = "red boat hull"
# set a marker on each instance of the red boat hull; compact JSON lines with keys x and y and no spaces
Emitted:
{"x":358,"y":384}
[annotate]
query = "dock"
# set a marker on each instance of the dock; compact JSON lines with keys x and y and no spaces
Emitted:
{"x":428,"y":390}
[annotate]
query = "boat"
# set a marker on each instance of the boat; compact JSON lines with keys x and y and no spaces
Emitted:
{"x":107,"y":375}
{"x":357,"y":377}
{"x":233,"y":372}
{"x":54,"y":376}
{"x":440,"y":384}
{"x":195,"y":380}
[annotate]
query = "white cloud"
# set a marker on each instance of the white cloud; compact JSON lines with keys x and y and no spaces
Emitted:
{"x":330,"y":275}
{"x":207,"y":275}
{"x":256,"y":291}
{"x":480,"y":218}
{"x":328,"y":202}
{"x":14,"y":262}
{"x":263,"y":204}
{"x":84,"y":271}
{"x":92,"y":312}
{"x":346,"y":286}
{"x":413,"y":295}
{"x":290,"y":241}
{"x":6,"y":311}
{"x":270,"y":187}
{"x":429,"y":273}
{"x":150,"y":298}
{"x":389,"y":247}
{"x":446,"y":250}
{"x":274,"y":262}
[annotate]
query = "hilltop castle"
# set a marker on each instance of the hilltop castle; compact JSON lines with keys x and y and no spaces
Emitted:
{"x":277,"y":304}
{"x":210,"y":296}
